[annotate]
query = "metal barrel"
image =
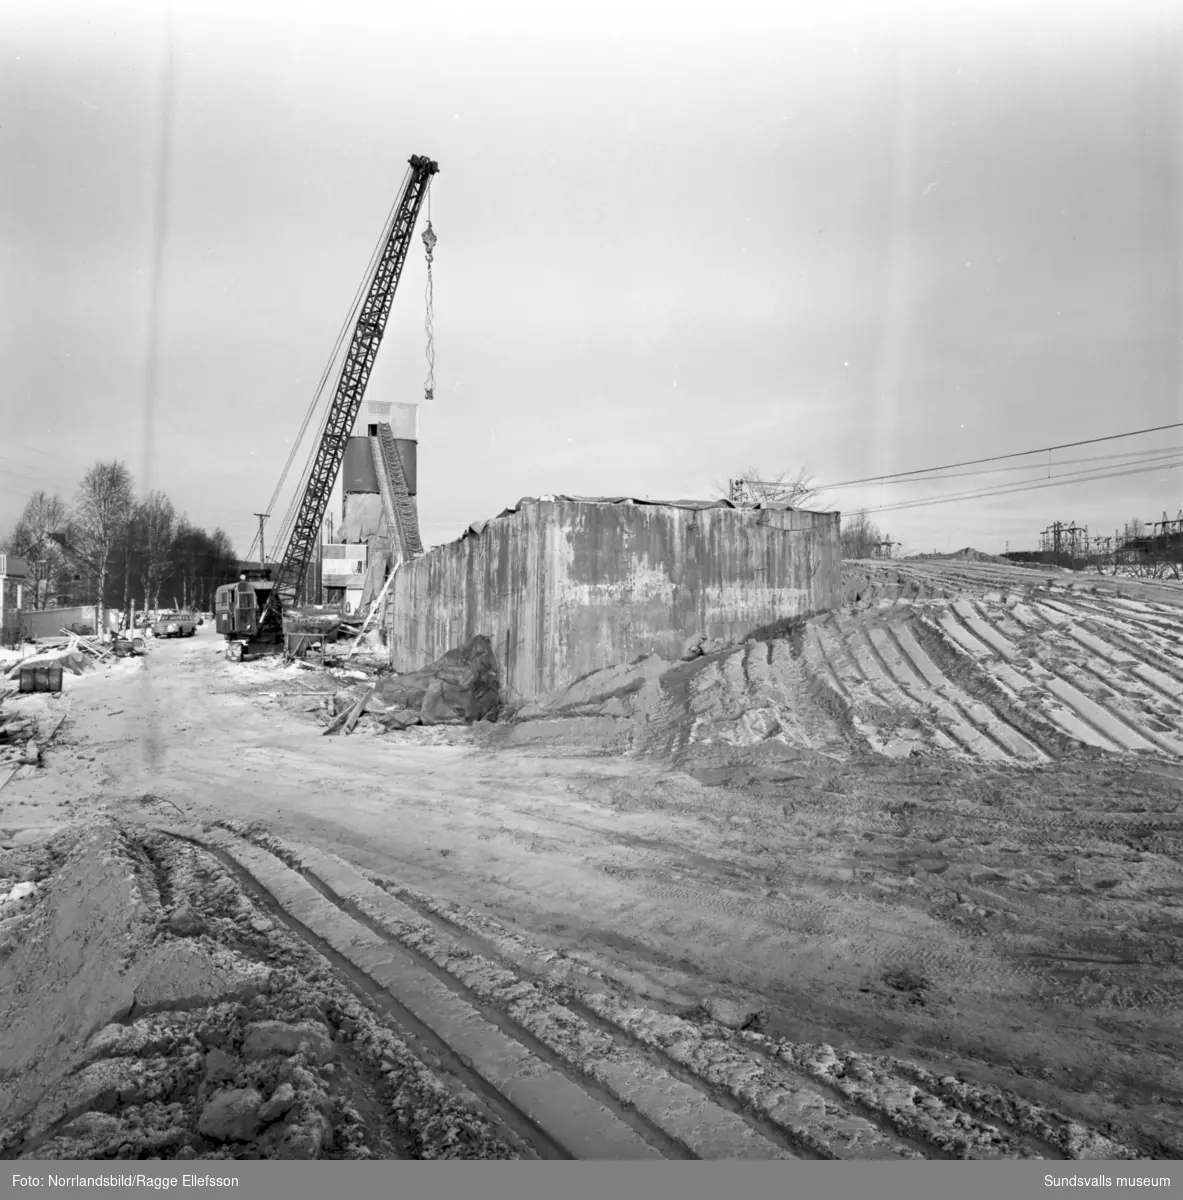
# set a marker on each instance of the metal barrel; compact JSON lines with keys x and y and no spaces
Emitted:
{"x":41,"y":677}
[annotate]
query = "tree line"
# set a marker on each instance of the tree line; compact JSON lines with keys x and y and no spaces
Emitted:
{"x":110,"y":547}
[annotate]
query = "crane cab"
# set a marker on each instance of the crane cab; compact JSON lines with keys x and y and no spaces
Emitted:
{"x":239,"y":606}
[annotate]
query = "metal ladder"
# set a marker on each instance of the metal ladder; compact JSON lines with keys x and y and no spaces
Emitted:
{"x":396,"y":499}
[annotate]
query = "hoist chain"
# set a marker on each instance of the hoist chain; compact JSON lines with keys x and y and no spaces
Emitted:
{"x":429,"y":241}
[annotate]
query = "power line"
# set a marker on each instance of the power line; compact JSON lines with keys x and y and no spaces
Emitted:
{"x":57,"y":457}
{"x":343,"y":332}
{"x":1009,"y":489}
{"x":973,"y":462}
{"x":44,"y":484}
{"x":1169,"y":462}
{"x":1063,"y":462}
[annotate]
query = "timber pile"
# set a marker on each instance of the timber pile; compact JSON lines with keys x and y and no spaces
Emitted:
{"x":326,"y":623}
{"x":89,"y":646}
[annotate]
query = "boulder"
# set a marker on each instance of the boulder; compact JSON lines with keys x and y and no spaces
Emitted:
{"x":399,"y":718}
{"x":461,"y":687}
{"x":185,"y":922}
{"x":266,"y":1038}
{"x":281,"y":1100}
{"x":732,"y":1014}
{"x":692,"y":647}
{"x":306,"y":1139}
{"x":220,"y":1066}
{"x":231,"y":1116}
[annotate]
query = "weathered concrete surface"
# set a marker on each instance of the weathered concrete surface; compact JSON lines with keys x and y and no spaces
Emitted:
{"x":563,"y":586}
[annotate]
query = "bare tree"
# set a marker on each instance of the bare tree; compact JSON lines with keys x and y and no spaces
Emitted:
{"x":156,"y":532}
{"x":30,"y":540}
{"x":784,"y":487}
{"x":102,"y":510}
{"x":202,"y":562}
{"x":860,"y":537}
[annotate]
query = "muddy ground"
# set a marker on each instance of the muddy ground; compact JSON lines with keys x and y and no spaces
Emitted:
{"x":902,"y":881}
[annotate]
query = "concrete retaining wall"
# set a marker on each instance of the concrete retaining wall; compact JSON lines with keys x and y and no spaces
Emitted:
{"x":564,"y":586}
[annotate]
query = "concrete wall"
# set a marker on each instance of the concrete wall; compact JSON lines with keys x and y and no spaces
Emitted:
{"x":565,"y":586}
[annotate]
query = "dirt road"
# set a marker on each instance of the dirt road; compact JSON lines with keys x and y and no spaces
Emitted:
{"x":969,"y":953}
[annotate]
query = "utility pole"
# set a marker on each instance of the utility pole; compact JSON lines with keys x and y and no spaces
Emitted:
{"x":262,"y":555}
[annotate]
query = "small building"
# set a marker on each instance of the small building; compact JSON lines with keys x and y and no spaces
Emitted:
{"x":13,"y":573}
{"x":566,"y":585}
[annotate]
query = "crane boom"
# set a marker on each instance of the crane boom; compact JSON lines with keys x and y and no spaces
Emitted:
{"x":351,"y":386}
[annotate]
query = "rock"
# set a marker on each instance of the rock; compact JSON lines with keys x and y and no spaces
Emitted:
{"x":732,"y":1014}
{"x":185,"y":922}
{"x":462,"y":686}
{"x":261,"y":925}
{"x":307,"y":1139}
{"x":692,"y":646}
{"x":189,"y":974}
{"x":266,"y":1038}
{"x":281,"y":1100}
{"x":401,"y":718}
{"x":231,"y":1116}
{"x":220,"y":1066}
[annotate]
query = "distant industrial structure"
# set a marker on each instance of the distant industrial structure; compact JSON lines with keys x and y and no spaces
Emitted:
{"x":1142,"y":544}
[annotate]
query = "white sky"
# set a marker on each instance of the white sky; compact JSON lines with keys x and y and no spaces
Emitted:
{"x":675,"y":241}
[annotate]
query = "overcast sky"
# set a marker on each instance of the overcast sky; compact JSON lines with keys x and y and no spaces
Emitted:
{"x":674,"y":242}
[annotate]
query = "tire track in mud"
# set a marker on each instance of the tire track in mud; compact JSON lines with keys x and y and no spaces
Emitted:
{"x":1016,"y":676}
{"x":935,"y":662}
{"x":705,"y":1091}
{"x":540,"y":1094}
{"x":1059,"y":668}
{"x":784,"y":1082}
{"x":907,"y":660}
{"x":1069,"y":680}
{"x":522,"y":1128}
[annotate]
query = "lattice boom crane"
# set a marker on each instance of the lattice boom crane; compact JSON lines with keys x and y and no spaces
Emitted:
{"x":350,"y":390}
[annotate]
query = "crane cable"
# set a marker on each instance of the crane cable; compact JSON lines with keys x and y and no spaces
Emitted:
{"x":346,"y":326}
{"x":349,"y":321}
{"x":429,"y":241}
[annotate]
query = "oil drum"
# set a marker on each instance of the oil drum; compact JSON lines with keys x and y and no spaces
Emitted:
{"x":41,"y":677}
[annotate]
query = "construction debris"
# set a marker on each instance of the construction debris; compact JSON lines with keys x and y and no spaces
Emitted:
{"x":463,"y":686}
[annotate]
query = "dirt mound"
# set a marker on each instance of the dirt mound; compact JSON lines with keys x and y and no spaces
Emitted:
{"x":89,"y":953}
{"x":750,"y":704}
{"x":152,"y":1010}
{"x":864,"y":583}
{"x":965,"y":554}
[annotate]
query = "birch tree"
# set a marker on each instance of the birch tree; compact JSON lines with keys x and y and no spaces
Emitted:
{"x":102,"y":510}
{"x":156,"y":529}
